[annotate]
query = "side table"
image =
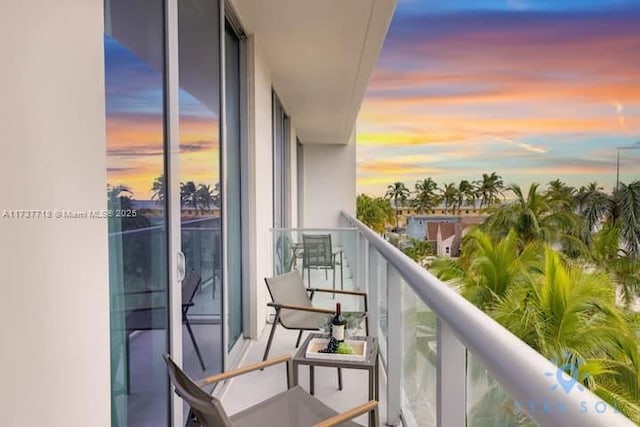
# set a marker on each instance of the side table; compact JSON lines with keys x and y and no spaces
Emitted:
{"x":370,"y":364}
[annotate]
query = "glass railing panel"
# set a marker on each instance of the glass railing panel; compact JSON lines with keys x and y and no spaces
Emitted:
{"x":488,"y":404}
{"x":201,"y":247}
{"x":138,"y":320}
{"x":419,"y":351}
{"x":324,"y":258}
{"x":383,"y":307}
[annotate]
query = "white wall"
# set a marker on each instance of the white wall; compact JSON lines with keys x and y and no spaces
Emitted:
{"x":260,"y":181}
{"x":329,"y":183}
{"x":54,"y":302}
{"x":329,"y":180}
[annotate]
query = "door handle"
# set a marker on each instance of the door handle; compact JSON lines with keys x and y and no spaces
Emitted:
{"x":181,"y":266}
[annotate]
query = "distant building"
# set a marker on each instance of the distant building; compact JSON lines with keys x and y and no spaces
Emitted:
{"x":445,"y":237}
{"x":416,"y":224}
{"x":444,"y":231}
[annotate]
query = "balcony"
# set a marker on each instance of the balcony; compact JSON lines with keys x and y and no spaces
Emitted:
{"x":444,"y":362}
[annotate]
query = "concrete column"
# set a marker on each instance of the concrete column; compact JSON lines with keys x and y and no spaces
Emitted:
{"x":54,"y":303}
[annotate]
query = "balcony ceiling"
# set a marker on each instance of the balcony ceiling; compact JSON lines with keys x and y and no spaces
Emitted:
{"x":320,"y":55}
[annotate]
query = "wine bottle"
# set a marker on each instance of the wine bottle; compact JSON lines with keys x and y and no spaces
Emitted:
{"x":337,"y":325}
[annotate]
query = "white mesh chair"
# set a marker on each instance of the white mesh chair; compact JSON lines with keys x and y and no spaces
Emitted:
{"x":318,"y":254}
{"x":294,"y":309}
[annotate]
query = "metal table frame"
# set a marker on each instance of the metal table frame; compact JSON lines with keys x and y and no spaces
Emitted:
{"x":370,"y":364}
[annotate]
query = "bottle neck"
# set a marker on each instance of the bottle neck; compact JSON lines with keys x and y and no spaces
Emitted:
{"x":338,"y":309}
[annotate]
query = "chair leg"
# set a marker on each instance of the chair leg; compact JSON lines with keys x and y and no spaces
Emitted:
{"x":273,"y":330}
{"x":376,"y":418}
{"x":195,"y":344}
{"x":339,"y":378}
{"x":299,"y":337}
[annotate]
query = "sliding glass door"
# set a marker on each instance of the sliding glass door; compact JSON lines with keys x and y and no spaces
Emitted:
{"x":152,"y":170}
{"x":200,"y":185}
{"x":281,"y":165}
{"x":233,"y":155}
{"x":136,"y":152}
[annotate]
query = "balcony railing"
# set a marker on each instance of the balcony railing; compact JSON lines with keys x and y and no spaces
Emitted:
{"x":448,"y":363}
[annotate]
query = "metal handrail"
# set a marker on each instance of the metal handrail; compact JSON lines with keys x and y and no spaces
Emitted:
{"x":516,"y":366}
{"x":307,"y":230}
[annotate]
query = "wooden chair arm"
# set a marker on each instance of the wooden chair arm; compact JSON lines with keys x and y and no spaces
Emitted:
{"x":300,"y":307}
{"x":337,"y":291}
{"x":371,"y":405}
{"x":245,"y":369}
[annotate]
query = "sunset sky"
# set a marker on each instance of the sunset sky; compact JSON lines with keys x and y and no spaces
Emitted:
{"x":135,"y":131}
{"x":534,"y":90}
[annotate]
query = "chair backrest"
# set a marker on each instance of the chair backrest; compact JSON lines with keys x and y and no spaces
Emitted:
{"x":317,"y":250}
{"x":190,"y":285}
{"x":207,"y":409}
{"x":288,"y":289}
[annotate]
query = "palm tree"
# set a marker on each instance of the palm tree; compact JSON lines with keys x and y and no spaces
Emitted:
{"x":489,"y":189}
{"x":569,"y":315}
{"x":204,"y":196}
{"x":534,"y":217}
{"x":488,"y":266}
{"x":560,"y":194}
{"x":374,"y":212}
{"x":158,"y":189}
{"x":188,"y":195}
{"x":217,"y":195}
{"x":398,"y":192}
{"x":606,"y":254}
{"x":119,"y":197}
{"x":627,"y":214}
{"x":418,"y":250}
{"x":622,"y":208}
{"x":563,"y":311}
{"x":466,"y":193}
{"x":426,"y":197}
{"x":595,"y":207}
{"x":449,"y":196}
{"x":584,"y":192}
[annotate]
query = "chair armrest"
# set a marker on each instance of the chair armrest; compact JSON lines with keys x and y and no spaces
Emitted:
{"x":245,"y":369}
{"x":337,"y":291}
{"x":371,"y":405}
{"x":300,"y":307}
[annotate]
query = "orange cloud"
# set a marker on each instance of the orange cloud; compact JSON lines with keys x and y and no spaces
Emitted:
{"x":135,"y":146}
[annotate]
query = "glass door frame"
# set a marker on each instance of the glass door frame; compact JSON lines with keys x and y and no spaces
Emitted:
{"x":228,"y":16}
{"x":175,"y":264}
